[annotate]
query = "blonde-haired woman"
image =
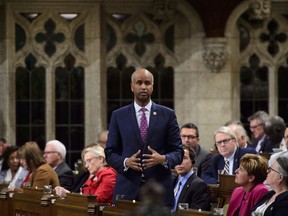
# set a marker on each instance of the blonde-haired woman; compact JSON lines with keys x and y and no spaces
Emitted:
{"x":250,"y":176}
{"x":102,"y":177}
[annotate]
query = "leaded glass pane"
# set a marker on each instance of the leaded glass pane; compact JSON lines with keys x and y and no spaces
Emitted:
{"x":62,"y":114}
{"x":283,"y":93}
{"x":20,"y":38}
{"x":79,"y":37}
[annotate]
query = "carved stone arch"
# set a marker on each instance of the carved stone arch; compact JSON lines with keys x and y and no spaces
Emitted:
{"x":60,"y":27}
{"x":116,"y":48}
{"x":191,"y":15}
{"x":141,"y":36}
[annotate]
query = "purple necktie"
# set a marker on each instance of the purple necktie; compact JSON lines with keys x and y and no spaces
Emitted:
{"x":143,"y":125}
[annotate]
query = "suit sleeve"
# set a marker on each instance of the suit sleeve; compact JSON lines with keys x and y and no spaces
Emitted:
{"x":113,"y":148}
{"x":205,"y":164}
{"x":175,"y":152}
{"x":200,"y":197}
{"x":210,"y":176}
{"x":66,"y":179}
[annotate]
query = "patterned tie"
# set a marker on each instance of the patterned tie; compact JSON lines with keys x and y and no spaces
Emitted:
{"x":226,"y":167}
{"x":176,"y":189}
{"x":143,"y":125}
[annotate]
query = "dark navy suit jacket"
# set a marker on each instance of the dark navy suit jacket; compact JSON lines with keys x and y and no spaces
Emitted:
{"x":266,"y":145}
{"x":124,"y":140}
{"x":65,"y":175}
{"x":195,"y":192}
{"x":210,"y":176}
{"x":278,"y":207}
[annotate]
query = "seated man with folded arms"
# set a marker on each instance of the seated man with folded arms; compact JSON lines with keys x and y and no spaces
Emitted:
{"x":228,"y":158}
{"x":188,"y":187}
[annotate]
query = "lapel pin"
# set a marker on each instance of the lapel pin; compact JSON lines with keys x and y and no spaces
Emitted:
{"x":154,"y":113}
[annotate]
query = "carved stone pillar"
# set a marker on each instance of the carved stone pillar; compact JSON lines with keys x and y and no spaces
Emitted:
{"x":215,"y":53}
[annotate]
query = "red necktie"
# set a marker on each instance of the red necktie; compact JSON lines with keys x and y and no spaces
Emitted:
{"x":143,"y":125}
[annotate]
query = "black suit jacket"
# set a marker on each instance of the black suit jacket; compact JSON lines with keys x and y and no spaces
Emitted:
{"x":203,"y":158}
{"x":278,"y":207}
{"x":195,"y":192}
{"x":65,"y":175}
{"x":266,"y":145}
{"x":79,"y":180}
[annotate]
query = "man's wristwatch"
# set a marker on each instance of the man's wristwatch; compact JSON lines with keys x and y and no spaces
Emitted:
{"x":165,"y":163}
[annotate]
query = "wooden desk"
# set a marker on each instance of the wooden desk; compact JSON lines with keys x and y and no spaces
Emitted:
{"x":266,"y":155}
{"x":193,"y":212}
{"x":6,"y":203}
{"x":31,"y":202}
{"x":76,"y":205}
{"x":221,"y":193}
{"x":121,"y":208}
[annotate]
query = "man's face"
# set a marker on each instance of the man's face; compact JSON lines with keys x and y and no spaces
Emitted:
{"x":142,"y":86}
{"x":186,"y":165}
{"x":286,"y":137}
{"x":241,"y":139}
{"x":226,"y":145}
{"x":189,"y":137}
{"x":51,"y":156}
{"x":257,"y":128}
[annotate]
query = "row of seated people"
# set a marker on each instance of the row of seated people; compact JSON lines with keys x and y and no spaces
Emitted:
{"x":223,"y":138}
{"x":250,"y":176}
{"x":54,"y":154}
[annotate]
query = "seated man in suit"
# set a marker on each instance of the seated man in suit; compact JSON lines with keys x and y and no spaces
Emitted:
{"x":257,"y":126}
{"x":228,"y":158}
{"x":54,"y":154}
{"x":190,"y":135}
{"x":188,"y":187}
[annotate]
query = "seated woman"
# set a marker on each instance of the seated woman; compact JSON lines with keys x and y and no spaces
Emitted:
{"x":12,"y":171}
{"x":250,"y":176}
{"x":31,"y":158}
{"x":275,"y":202}
{"x":103,"y":179}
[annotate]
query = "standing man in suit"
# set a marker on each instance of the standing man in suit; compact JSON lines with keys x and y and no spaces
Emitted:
{"x":192,"y":190}
{"x":190,"y":135}
{"x":228,"y":158}
{"x":149,"y":154}
{"x":54,"y":154}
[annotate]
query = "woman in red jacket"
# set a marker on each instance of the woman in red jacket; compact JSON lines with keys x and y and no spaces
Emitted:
{"x":102,"y":178}
{"x":250,"y":176}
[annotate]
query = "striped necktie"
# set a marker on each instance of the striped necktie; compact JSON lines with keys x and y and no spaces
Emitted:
{"x":226,"y":167}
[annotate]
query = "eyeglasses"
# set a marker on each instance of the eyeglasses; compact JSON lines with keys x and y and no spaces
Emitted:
{"x":190,"y":137}
{"x":49,"y":152}
{"x":88,"y":161}
{"x":271,"y":169}
{"x":225,"y":141}
{"x":254,"y":127}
